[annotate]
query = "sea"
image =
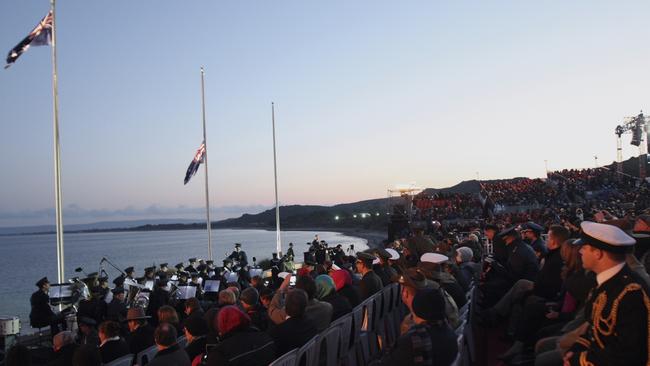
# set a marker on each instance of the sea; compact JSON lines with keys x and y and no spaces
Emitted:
{"x":24,"y":259}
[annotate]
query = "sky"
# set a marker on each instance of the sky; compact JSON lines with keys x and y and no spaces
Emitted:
{"x":368,"y":95}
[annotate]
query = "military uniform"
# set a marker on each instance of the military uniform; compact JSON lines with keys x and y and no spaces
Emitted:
{"x":618,"y":312}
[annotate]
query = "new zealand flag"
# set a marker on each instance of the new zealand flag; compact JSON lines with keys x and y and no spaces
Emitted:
{"x":195,"y":163}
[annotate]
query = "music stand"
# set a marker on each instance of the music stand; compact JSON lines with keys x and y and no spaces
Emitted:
{"x":60,"y":293}
{"x":212,"y":285}
{"x":186,"y":292}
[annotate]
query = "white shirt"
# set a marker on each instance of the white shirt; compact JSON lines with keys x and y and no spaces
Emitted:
{"x":117,"y":338}
{"x":605,"y":275}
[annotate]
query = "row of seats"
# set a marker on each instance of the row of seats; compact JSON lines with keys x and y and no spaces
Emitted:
{"x":143,"y":357}
{"x":357,"y":338}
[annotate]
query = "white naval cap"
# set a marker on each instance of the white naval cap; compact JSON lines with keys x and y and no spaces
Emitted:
{"x":605,"y":237}
{"x":434,"y":258}
{"x":393,"y":254}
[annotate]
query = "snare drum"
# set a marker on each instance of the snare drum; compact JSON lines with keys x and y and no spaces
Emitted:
{"x":9,"y":325}
{"x":71,"y":323}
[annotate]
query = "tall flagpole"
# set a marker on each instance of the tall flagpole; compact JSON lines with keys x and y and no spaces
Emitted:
{"x":278,"y":242}
{"x":57,"y":159}
{"x":205,"y":157}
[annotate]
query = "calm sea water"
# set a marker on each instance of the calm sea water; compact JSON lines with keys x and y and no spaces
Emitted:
{"x":25,"y":259}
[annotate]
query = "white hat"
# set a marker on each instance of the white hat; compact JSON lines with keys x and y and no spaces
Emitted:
{"x":605,"y":237}
{"x":393,"y":254}
{"x":434,"y":258}
{"x":376,"y":261}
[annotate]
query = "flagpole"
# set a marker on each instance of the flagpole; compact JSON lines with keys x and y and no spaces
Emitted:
{"x":205,"y":144}
{"x":57,"y":159}
{"x":278,"y":242}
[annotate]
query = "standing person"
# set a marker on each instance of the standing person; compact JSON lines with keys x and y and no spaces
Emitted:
{"x":169,"y":352}
{"x":116,"y":310}
{"x":141,"y":333}
{"x":370,"y":283}
{"x":41,"y":314}
{"x":618,"y":309}
{"x":159,"y":297}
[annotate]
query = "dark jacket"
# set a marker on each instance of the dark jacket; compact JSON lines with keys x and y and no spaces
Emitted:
{"x":449,"y":284}
{"x":196,"y":348}
{"x":113,"y":350}
{"x":41,"y":314}
{"x":116,"y":311}
{"x":158,"y":298}
{"x":246,"y":347}
{"x":141,"y":339}
{"x":172,"y":356}
{"x":350,"y":293}
{"x":340,"y":305}
{"x":293,"y":333}
{"x":63,"y":357}
{"x":522,"y":262}
{"x":549,"y":281}
{"x":259,"y":317}
{"x":444,"y":347}
{"x":369,"y":285}
{"x":90,"y":339}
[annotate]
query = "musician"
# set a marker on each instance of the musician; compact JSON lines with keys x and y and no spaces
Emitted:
{"x":276,"y":262}
{"x":179,"y":267}
{"x":159,"y":297}
{"x":163,"y":268}
{"x":192,"y":267}
{"x":239,"y":256}
{"x":290,"y":254}
{"x":337,"y":255}
{"x":41,"y":314}
{"x":195,"y":283}
{"x":182,"y":278}
{"x":129,"y":273}
{"x":149,"y":273}
{"x":116,"y":310}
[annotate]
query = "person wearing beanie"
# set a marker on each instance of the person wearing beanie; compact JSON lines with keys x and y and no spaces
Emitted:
{"x":343,"y":282}
{"x":430,"y":340}
{"x":249,"y":300}
{"x":196,"y":331}
{"x":466,"y":272}
{"x":240,"y":343}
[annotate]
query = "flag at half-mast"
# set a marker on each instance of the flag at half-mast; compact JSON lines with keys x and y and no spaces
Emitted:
{"x":195,"y":163}
{"x":41,"y":35}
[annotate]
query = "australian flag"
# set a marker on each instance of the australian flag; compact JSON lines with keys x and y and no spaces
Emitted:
{"x":41,"y":35}
{"x":195,"y":163}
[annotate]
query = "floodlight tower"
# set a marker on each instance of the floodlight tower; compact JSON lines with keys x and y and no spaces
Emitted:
{"x":638,"y":127}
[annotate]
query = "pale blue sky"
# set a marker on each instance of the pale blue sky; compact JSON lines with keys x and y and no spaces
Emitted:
{"x":369,"y":94}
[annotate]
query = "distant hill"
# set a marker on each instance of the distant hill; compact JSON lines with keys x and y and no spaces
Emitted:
{"x":98,"y":226}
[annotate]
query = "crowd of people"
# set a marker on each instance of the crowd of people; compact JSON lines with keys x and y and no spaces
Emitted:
{"x":565,"y":285}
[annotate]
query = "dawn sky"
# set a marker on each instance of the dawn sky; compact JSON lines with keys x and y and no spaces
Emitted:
{"x":369,"y":94}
